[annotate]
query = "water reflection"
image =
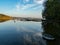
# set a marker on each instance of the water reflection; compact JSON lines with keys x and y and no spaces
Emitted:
{"x":21,"y":33}
{"x":15,"y":32}
{"x":52,"y":28}
{"x":34,"y":39}
{"x":3,"y":21}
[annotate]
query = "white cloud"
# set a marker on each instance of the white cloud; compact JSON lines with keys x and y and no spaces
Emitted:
{"x":23,"y":7}
{"x":39,"y":1}
{"x":28,"y":6}
{"x":26,"y":0}
{"x":18,"y":7}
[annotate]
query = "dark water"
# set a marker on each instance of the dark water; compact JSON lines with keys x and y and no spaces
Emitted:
{"x":52,"y":28}
{"x":21,"y":33}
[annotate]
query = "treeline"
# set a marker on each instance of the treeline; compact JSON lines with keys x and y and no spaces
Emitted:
{"x":52,"y":23}
{"x":52,"y":10}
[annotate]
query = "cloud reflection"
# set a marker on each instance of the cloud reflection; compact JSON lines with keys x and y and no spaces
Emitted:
{"x":30,"y":36}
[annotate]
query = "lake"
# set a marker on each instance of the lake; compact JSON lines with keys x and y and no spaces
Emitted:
{"x":21,"y":33}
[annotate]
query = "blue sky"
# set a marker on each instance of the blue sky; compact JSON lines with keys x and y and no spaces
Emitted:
{"x":22,"y":8}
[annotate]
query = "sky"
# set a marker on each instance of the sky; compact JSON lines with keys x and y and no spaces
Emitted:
{"x":22,"y":8}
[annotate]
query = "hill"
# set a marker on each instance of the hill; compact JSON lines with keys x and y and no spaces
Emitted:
{"x":4,"y":17}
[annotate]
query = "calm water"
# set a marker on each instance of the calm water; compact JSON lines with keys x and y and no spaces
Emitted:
{"x":21,"y":33}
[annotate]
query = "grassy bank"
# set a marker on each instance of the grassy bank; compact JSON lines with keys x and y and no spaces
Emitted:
{"x":4,"y":17}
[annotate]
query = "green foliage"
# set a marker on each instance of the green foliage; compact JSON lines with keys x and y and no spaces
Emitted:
{"x":52,"y":23}
{"x":52,"y":10}
{"x":52,"y":15}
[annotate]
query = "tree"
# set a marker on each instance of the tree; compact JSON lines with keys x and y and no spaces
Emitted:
{"x":52,"y":10}
{"x":52,"y":23}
